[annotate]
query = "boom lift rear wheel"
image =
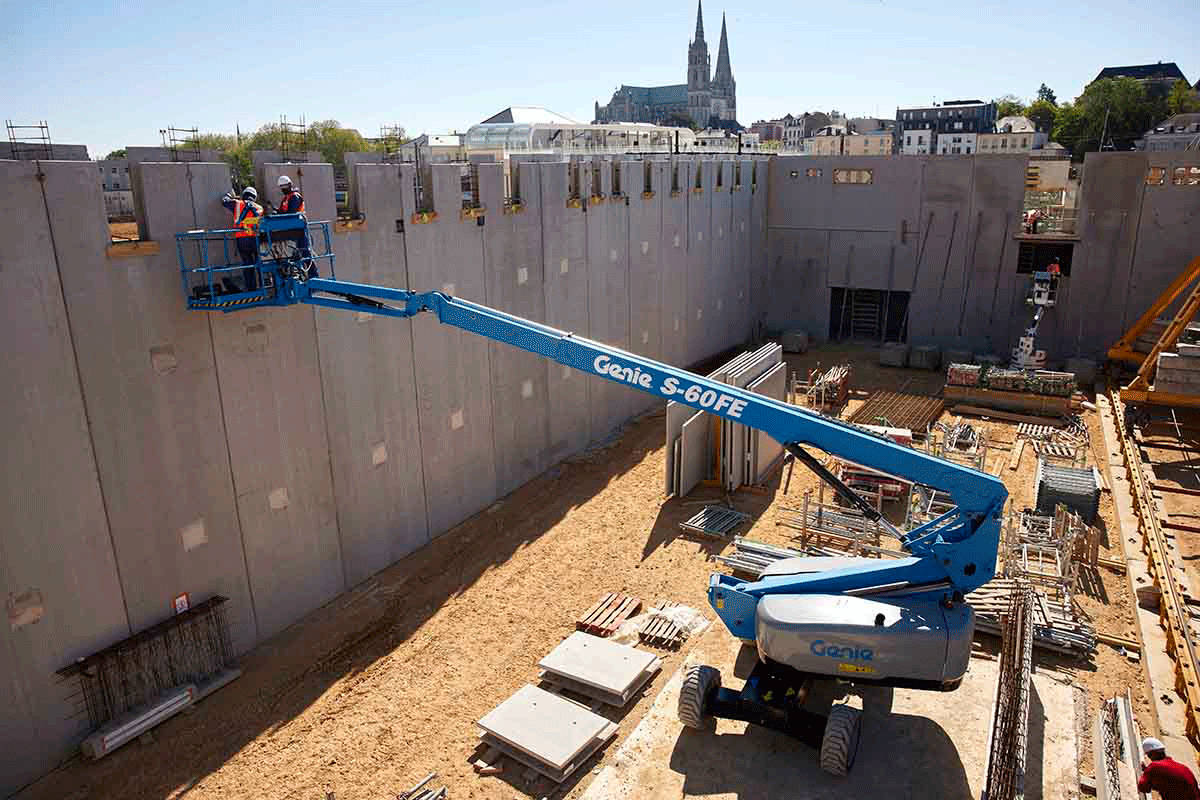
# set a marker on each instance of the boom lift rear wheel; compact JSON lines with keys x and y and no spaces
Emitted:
{"x":698,"y":682}
{"x":839,"y":745}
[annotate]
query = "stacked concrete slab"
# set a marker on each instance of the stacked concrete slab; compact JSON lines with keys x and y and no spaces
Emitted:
{"x":1179,"y":373}
{"x":279,"y":456}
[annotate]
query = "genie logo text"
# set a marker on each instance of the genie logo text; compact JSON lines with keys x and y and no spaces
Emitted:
{"x":831,"y":650}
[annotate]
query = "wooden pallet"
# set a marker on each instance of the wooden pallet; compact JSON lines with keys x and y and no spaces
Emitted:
{"x":658,"y":631}
{"x":608,"y":613}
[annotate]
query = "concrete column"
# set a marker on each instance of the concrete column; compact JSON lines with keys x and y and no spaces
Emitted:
{"x":565,"y":284}
{"x":369,"y":386}
{"x":58,"y":571}
{"x":153,"y":396}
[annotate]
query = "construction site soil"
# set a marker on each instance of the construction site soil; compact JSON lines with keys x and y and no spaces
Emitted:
{"x":383,"y":685}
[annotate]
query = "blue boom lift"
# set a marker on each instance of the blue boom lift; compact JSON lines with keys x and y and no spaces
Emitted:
{"x":870,"y":622}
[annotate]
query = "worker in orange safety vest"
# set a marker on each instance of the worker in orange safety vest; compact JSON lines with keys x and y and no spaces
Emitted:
{"x":246,"y":215}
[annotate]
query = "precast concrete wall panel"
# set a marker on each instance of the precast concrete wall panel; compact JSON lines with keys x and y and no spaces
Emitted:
{"x":57,"y":567}
{"x":608,"y":295}
{"x":933,"y":317}
{"x":674,"y":262}
{"x":741,"y":225}
{"x":759,"y":184}
{"x":271,"y":393}
{"x":1104,"y":261}
{"x":512,"y":247}
{"x":645,"y":264}
{"x":796,"y":273}
{"x":985,"y":314}
{"x":153,"y":397}
{"x":701,"y":283}
{"x":565,"y":286}
{"x":369,"y":387}
{"x":453,"y":375}
{"x":724,"y":301}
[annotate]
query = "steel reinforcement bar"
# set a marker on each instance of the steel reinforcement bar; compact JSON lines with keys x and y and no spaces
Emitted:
{"x":1172,"y":610}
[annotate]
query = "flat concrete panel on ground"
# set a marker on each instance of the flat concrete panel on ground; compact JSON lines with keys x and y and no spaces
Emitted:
{"x":453,"y":377}
{"x":512,"y":249}
{"x":56,"y":556}
{"x":565,"y":286}
{"x":370,"y":392}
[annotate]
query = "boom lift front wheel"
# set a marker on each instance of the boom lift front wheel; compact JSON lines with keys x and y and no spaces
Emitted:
{"x":839,"y":745}
{"x":698,"y":682}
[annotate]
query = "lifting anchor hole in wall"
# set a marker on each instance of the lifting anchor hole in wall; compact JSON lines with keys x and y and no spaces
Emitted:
{"x":522,"y":275}
{"x":193,"y":535}
{"x":24,"y":608}
{"x":456,"y":420}
{"x":527,"y":388}
{"x":256,"y":337}
{"x":162,"y":359}
{"x":563,"y":265}
{"x":277,"y":499}
{"x":379,"y":455}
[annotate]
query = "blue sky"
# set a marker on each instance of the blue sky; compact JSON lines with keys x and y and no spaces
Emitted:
{"x":109,"y":74}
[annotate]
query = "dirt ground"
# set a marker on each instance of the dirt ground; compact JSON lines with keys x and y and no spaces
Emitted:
{"x":383,"y":685}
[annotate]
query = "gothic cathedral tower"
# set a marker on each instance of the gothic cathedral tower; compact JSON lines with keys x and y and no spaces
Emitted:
{"x":724,"y":91}
{"x":699,"y":91}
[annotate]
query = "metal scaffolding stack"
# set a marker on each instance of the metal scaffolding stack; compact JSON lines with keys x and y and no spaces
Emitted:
{"x":1076,"y":488}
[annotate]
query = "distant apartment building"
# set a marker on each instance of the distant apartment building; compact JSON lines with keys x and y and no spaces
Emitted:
{"x":1157,"y":78}
{"x":870,"y":124}
{"x":954,"y":144}
{"x":769,"y":130}
{"x":916,"y":142}
{"x":954,"y":116}
{"x":1174,"y":133}
{"x":797,"y":129}
{"x":867,"y":144}
{"x":1015,"y":134}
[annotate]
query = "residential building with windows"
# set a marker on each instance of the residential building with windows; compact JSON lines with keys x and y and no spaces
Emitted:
{"x":1174,"y":133}
{"x":1015,"y":134}
{"x":797,"y":129}
{"x":956,"y":143}
{"x":916,"y":142}
{"x":770,"y":130}
{"x":958,"y":117}
{"x":1157,"y":78}
{"x":867,"y":144}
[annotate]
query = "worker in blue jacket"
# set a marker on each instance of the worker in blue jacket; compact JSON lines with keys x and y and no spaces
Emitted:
{"x":292,"y":201}
{"x":246,"y":215}
{"x":300,"y":253}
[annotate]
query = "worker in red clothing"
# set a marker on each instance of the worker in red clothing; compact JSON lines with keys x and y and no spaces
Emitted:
{"x":1172,"y":780}
{"x":292,"y":201}
{"x":246,"y":215}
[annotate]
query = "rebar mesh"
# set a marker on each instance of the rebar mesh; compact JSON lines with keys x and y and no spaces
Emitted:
{"x":187,"y":648}
{"x":1010,"y":725}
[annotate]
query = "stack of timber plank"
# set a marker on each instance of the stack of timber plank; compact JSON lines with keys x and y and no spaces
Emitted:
{"x":703,"y":446}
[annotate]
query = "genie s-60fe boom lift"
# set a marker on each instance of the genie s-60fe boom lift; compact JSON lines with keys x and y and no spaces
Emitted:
{"x":813,"y":621}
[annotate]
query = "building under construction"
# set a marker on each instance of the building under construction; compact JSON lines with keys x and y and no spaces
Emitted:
{"x":341,"y":508}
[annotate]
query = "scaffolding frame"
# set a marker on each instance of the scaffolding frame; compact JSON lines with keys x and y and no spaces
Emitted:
{"x":30,"y":142}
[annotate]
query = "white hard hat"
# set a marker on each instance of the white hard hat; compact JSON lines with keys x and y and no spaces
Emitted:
{"x":1150,"y":744}
{"x":284,"y":180}
{"x":249,"y":193}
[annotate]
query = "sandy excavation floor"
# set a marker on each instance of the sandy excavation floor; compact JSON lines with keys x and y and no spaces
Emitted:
{"x":368,"y":694}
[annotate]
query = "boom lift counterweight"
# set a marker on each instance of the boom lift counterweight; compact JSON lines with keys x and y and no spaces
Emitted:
{"x":895,"y":622}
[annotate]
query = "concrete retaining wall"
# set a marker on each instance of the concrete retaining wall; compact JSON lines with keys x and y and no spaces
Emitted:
{"x":946,"y":229}
{"x":280,"y":456}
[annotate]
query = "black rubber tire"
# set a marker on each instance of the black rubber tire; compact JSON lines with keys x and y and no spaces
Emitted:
{"x":839,"y":745}
{"x":698,"y":682}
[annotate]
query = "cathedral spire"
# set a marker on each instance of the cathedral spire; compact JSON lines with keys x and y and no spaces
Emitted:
{"x":699,"y":21}
{"x":724,"y":73}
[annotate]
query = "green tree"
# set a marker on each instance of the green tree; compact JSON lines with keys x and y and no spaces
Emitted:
{"x":1182,"y":99}
{"x":1110,"y":113}
{"x":333,"y":141}
{"x":122,"y":153}
{"x":1009,"y":106}
{"x":1042,"y":113}
{"x":1047,"y":94}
